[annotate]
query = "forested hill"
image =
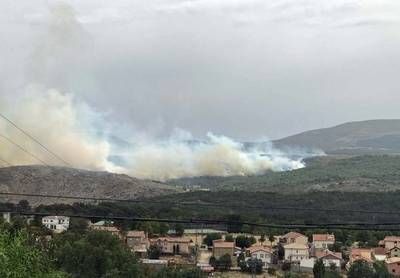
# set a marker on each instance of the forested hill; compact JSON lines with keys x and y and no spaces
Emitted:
{"x":365,"y":137}
{"x":361,"y":173}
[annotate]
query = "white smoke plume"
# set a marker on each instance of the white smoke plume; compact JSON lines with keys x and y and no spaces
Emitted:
{"x":78,"y":134}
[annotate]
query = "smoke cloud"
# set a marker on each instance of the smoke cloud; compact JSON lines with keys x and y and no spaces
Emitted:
{"x":80,"y":136}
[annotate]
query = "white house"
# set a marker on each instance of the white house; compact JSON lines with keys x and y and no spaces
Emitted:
{"x":57,"y":224}
{"x":262,"y":253}
{"x":322,"y":241}
{"x":296,"y":252}
{"x":330,"y":258}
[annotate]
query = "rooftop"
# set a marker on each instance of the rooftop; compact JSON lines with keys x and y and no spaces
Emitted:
{"x":255,"y":248}
{"x":325,"y":253}
{"x":295,"y":246}
{"x":380,"y":251}
{"x":172,"y":239}
{"x":361,"y":254}
{"x":392,"y":238}
{"x":223,"y":244}
{"x":293,"y":235}
{"x":323,"y":237}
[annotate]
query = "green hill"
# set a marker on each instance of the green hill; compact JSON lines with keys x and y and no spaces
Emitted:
{"x":361,"y":173}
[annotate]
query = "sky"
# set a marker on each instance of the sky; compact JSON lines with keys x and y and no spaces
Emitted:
{"x":246,"y":69}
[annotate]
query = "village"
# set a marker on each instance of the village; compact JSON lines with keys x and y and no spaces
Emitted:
{"x":215,"y":251}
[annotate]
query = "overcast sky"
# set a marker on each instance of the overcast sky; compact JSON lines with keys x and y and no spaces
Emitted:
{"x":248,"y":69}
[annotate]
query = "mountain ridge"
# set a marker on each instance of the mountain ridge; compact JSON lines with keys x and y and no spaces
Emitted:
{"x":371,"y":136}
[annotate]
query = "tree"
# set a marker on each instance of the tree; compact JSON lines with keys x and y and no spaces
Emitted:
{"x":209,"y":238}
{"x":213,"y":262}
{"x":252,"y":265}
{"x":20,"y":259}
{"x":381,"y":270}
{"x":93,"y":255}
{"x":281,"y":252}
{"x":229,"y":238}
{"x":23,"y":205}
{"x":78,"y":224}
{"x":271,"y":238}
{"x":224,"y":263}
{"x":179,"y":230}
{"x":154,"y":252}
{"x":359,"y":269}
{"x":262,"y":238}
{"x":319,"y":269}
{"x":244,"y":241}
{"x":336,"y":247}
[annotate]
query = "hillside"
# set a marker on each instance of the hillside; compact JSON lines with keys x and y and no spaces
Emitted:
{"x":361,"y":173}
{"x":74,"y":182}
{"x":366,"y":137}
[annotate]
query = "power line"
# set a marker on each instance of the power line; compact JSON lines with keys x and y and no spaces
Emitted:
{"x":35,"y":140}
{"x":211,"y":222}
{"x":23,"y":149}
{"x":195,"y":204}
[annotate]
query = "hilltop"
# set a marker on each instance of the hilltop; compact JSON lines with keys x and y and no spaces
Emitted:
{"x":74,"y":182}
{"x":365,"y":137}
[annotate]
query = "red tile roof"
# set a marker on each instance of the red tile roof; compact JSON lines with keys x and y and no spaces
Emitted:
{"x":323,"y":237}
{"x":326,"y":253}
{"x":361,"y":254}
{"x":255,"y":248}
{"x":380,"y":251}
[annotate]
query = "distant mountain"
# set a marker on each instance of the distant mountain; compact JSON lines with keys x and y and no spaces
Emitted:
{"x":366,"y":137}
{"x":74,"y":182}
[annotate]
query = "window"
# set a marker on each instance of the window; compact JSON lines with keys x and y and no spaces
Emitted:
{"x":261,"y":255}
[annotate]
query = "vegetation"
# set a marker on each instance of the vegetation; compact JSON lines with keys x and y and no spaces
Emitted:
{"x":252,"y":265}
{"x":360,"y":173}
{"x":319,"y":269}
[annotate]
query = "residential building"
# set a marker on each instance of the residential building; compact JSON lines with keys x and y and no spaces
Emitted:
{"x":330,"y":258}
{"x":379,"y":254}
{"x":109,"y":229}
{"x":262,"y":253}
{"x":394,"y":252}
{"x":172,"y":245}
{"x":138,"y":242}
{"x":294,"y":237}
{"x":221,"y":248}
{"x":57,"y":224}
{"x":296,"y":252}
{"x":391,"y":242}
{"x":359,"y":254}
{"x":322,"y":241}
{"x":393,"y":266}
